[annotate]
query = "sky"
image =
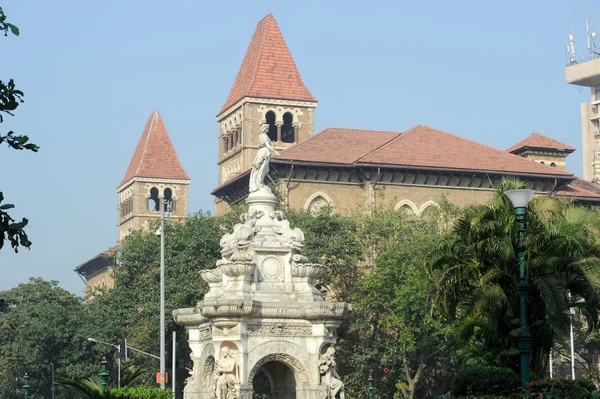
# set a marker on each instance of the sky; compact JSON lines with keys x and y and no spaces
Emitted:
{"x":93,"y":72}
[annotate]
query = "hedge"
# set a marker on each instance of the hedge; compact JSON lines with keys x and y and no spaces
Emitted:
{"x":140,"y":393}
{"x":566,"y":388}
{"x":487,"y":380}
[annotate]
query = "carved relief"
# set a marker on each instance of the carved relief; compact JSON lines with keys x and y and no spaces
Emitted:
{"x":208,"y":371}
{"x":280,"y":330}
{"x":204,"y":334}
{"x":226,"y":330}
{"x":290,"y":353}
{"x":293,"y":237}
{"x":271,"y":269}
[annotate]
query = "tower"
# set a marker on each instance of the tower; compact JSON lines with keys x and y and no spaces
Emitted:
{"x":267,"y":89}
{"x":154,"y":174}
{"x":542,"y":149}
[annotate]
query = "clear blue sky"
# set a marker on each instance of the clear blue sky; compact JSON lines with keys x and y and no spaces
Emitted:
{"x":92,"y":73}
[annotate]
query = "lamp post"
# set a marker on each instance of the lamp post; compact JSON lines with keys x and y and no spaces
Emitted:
{"x":165,"y":206}
{"x":26,"y":386}
{"x":520,"y":199}
{"x":103,"y":374}
{"x":371,"y":386}
{"x":118,"y":357}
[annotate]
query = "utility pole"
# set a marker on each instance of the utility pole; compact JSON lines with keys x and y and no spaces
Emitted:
{"x":165,"y":204}
{"x":173,"y":365}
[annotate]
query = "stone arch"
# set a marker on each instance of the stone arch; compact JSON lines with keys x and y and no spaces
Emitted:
{"x":317,"y":201}
{"x":407,"y":205}
{"x":426,"y":205}
{"x":270,"y":118}
{"x":208,"y":371}
{"x":287,"y":129}
{"x":284,"y":352}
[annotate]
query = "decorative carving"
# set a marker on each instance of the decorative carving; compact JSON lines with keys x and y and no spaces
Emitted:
{"x":227,"y":372}
{"x":226,"y":330}
{"x":208,"y":371}
{"x":291,"y":350}
{"x":204,"y":334}
{"x":271,"y":268}
{"x":307,"y":270}
{"x":294,"y":236}
{"x":329,"y":376}
{"x":235,"y":269}
{"x":331,"y":332}
{"x":283,"y":358}
{"x":212,"y":276}
{"x":242,"y":235}
{"x":260,"y":165}
{"x":280,"y":330}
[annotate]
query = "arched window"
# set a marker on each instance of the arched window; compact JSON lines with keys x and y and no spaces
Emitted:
{"x":270,"y":118}
{"x":153,"y":202}
{"x":287,"y":130}
{"x":317,"y":204}
{"x":168,"y":196}
{"x":553,"y":164}
{"x":407,"y":206}
{"x":406,"y":209}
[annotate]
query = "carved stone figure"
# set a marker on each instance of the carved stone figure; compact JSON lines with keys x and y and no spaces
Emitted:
{"x":243,"y":233}
{"x":330,"y":376}
{"x":260,"y":165}
{"x":227,"y":376}
{"x":294,"y":236}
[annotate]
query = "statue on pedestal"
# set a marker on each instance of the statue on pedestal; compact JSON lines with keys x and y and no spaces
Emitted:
{"x":260,"y":165}
{"x":227,"y":376}
{"x":330,"y":376}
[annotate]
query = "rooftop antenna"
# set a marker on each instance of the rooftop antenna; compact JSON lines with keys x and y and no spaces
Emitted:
{"x":572,"y":58}
{"x":592,"y":35}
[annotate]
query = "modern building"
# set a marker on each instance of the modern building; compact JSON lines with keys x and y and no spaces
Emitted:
{"x":154,"y":174}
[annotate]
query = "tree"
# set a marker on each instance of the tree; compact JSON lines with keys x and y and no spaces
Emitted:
{"x":394,"y":334}
{"x":40,"y":325}
{"x":10,"y":98}
{"x":476,"y":275}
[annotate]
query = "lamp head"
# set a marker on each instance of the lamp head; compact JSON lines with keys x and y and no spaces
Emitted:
{"x":519,"y":198}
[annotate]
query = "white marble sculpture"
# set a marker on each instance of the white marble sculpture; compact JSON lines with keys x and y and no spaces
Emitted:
{"x":260,"y":165}
{"x":262,"y":312}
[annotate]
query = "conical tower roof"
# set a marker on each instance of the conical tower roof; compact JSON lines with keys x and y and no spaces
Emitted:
{"x":268,"y":69}
{"x":155,"y":156}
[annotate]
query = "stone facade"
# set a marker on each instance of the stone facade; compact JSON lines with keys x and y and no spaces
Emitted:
{"x":262,"y":314}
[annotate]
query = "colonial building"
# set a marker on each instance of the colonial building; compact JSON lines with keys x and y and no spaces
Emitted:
{"x":347,"y":168}
{"x":153,"y":176}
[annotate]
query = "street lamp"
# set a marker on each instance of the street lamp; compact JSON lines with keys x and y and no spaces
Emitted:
{"x":26,"y":386}
{"x":118,"y":357}
{"x":520,"y":199}
{"x":371,"y":386}
{"x":103,"y":374}
{"x":166,"y":206}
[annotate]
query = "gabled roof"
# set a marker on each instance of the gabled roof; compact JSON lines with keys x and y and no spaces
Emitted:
{"x":582,"y":190}
{"x":419,"y":147}
{"x":268,"y":69}
{"x":539,"y":141}
{"x":97,"y":264}
{"x":155,"y":155}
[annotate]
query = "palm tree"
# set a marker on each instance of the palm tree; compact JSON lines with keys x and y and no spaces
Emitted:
{"x":475,"y":275}
{"x":92,"y":387}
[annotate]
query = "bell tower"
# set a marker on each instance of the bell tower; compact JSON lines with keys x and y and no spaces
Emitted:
{"x":267,"y":89}
{"x":154,"y":174}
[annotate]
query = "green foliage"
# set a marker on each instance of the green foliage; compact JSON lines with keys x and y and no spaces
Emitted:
{"x":563,"y":388}
{"x":141,"y":393}
{"x":42,"y":323}
{"x":475,"y":275}
{"x":10,"y":98}
{"x":484,"y":381}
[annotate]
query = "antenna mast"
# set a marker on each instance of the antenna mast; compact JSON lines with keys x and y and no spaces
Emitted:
{"x":592,"y":35}
{"x":572,"y":59}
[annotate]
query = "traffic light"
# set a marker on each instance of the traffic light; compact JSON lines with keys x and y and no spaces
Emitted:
{"x":123,"y":349}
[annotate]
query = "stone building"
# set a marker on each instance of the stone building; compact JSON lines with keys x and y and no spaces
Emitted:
{"x":154,"y":174}
{"x":347,"y":168}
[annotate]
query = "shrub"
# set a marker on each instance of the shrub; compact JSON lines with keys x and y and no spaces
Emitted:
{"x":487,"y":380}
{"x":140,"y":393}
{"x":566,"y":389}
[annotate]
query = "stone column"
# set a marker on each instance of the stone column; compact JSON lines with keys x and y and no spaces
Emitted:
{"x":239,"y":134}
{"x":296,"y":129}
{"x":279,"y":124}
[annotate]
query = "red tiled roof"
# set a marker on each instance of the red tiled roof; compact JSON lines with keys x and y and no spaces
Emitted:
{"x":420,"y":146}
{"x":155,"y":155}
{"x":581,"y":189}
{"x":268,"y":69}
{"x":537,"y":140}
{"x":334,"y":145}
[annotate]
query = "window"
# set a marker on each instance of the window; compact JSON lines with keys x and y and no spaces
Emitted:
{"x":597,"y":92}
{"x":168,"y":194}
{"x":287,"y":130}
{"x":270,"y":118}
{"x":153,"y":202}
{"x":317,"y":204}
{"x":553,"y":164}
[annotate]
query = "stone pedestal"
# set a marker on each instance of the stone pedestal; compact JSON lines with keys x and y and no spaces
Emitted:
{"x":262,"y":314}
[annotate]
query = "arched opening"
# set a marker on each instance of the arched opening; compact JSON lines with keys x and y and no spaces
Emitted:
{"x":287,"y":130}
{"x":406,"y":209}
{"x":274,"y":380}
{"x":318,"y":204}
{"x":153,"y":202}
{"x":270,"y":120}
{"x":553,"y":164}
{"x":168,"y":196}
